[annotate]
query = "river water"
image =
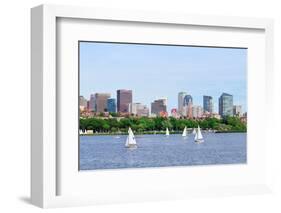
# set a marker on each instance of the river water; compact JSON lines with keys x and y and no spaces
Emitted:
{"x":109,"y":152}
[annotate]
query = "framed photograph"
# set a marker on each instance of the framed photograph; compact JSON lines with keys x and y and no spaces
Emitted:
{"x":129,"y":106}
{"x":156,"y":124}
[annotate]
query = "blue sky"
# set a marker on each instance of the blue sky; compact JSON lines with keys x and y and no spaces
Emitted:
{"x":156,"y":71}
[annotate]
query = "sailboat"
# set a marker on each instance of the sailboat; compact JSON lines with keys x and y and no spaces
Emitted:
{"x":131,"y":141}
{"x":184,"y":133}
{"x":198,"y":136}
{"x":167,"y":132}
{"x":194,"y":131}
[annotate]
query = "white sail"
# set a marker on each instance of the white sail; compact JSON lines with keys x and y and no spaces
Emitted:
{"x":167,"y":132}
{"x":184,"y":133}
{"x":127,"y":142}
{"x":198,"y":136}
{"x":130,"y":141}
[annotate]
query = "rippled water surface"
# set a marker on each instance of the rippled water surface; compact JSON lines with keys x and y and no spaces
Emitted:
{"x":109,"y":152}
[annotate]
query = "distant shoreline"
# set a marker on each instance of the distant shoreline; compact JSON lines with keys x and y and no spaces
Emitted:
{"x":159,"y":133}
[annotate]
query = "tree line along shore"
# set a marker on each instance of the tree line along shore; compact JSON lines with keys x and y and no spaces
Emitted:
{"x":157,"y":125}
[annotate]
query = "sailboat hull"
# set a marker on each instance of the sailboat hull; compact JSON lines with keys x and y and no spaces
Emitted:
{"x":199,"y":141}
{"x":132,"y":146}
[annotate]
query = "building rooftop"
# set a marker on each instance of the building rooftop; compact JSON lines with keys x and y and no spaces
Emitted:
{"x":225,"y":94}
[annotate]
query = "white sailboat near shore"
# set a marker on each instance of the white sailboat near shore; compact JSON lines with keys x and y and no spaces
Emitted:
{"x":131,"y":141}
{"x":167,"y":132}
{"x":198,"y":136}
{"x":184,"y":133}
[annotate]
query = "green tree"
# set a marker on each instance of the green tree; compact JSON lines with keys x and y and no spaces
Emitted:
{"x":141,"y":124}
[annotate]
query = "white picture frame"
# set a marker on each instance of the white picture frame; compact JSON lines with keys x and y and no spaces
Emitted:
{"x":46,"y":167}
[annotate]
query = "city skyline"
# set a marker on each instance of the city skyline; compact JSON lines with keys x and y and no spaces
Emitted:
{"x":163,"y":71}
{"x":187,"y":98}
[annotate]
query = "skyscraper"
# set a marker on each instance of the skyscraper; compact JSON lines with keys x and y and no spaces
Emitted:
{"x":159,"y":106}
{"x":197,"y":111}
{"x":208,"y":104}
{"x":124,"y":100}
{"x":134,"y":107}
{"x":143,"y":111}
{"x":101,"y":101}
{"x":226,"y":105}
{"x":237,"y":110}
{"x":181,"y":96}
{"x":111,"y":105}
{"x":92,"y":103}
{"x":82,"y":102}
{"x":187,"y":106}
{"x":187,"y":100}
{"x":138,"y":109}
